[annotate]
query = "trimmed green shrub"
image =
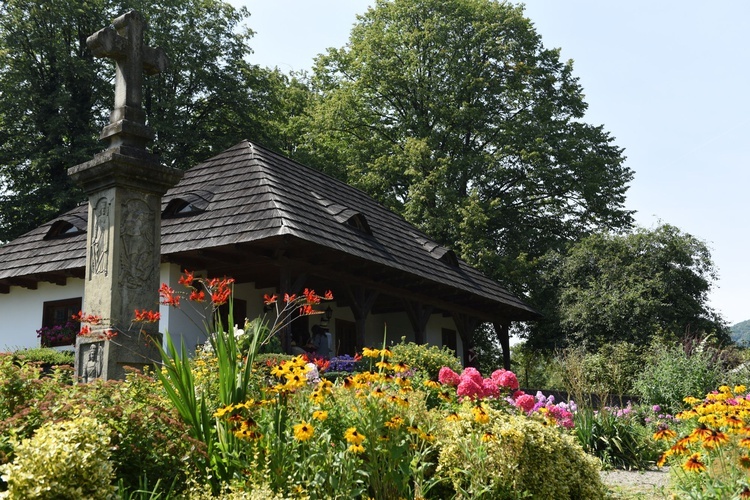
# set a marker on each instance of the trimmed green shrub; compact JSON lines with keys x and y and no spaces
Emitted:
{"x":45,"y":355}
{"x":65,"y":460}
{"x":511,"y":456}
{"x":428,"y":359}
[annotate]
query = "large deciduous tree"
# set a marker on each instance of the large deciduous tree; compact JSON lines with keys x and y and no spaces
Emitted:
{"x":453,"y":113}
{"x":55,"y":97}
{"x":628,"y":287}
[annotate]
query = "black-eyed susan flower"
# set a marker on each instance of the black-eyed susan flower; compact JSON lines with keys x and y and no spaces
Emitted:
{"x":745,"y":493}
{"x":745,"y":461}
{"x":353,"y":436}
{"x":487,"y":437}
{"x":700,"y":433}
{"x":694,"y":464}
{"x":395,"y":422}
{"x":370,"y":353}
{"x":303,"y":431}
{"x":453,"y":417}
{"x":716,"y":438}
{"x":480,"y":415}
{"x":321,"y":415}
{"x":356,"y":448}
{"x":664,"y":432}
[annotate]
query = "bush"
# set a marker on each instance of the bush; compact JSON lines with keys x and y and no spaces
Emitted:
{"x":45,"y":355}
{"x":427,"y":359}
{"x":512,"y":456}
{"x":672,"y":372}
{"x":148,"y":441}
{"x":66,"y":460}
{"x":617,"y":438}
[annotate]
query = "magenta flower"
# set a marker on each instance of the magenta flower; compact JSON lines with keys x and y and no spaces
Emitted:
{"x":490,"y":388}
{"x":508,"y":379}
{"x":446,"y":376}
{"x":525,"y":402}
{"x":468,"y":388}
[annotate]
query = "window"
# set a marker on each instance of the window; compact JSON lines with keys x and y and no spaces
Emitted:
{"x":57,"y":326}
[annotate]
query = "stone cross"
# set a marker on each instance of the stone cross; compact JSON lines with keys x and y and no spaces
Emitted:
{"x":124,"y":183}
{"x":123,"y":42}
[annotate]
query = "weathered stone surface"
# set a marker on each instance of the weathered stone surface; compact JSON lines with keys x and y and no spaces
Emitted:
{"x":124,"y":184}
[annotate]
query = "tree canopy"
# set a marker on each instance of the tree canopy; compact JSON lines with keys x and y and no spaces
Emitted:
{"x":628,"y":287}
{"x":454,"y":114}
{"x":55,"y":96}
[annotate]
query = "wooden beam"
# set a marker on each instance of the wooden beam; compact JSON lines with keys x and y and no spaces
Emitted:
{"x":503,"y":336}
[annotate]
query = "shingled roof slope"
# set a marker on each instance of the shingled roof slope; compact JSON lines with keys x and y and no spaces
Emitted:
{"x":247,"y":194}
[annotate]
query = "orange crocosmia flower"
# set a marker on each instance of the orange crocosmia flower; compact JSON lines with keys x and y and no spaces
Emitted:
{"x":187,"y":278}
{"x":220,"y":296}
{"x":147,"y":316}
{"x":269,"y":299}
{"x":694,"y":464}
{"x":196,"y":296}
{"x":91,"y":319}
{"x":310,"y":296}
{"x":168,"y":296}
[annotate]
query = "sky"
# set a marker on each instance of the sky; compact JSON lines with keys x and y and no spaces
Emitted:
{"x":667,"y":79}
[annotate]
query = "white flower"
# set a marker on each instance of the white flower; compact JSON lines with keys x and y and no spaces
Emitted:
{"x":312,"y":373}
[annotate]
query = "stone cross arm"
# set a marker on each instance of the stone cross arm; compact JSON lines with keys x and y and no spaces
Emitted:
{"x":123,"y":42}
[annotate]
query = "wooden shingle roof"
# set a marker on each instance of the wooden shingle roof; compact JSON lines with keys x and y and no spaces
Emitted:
{"x":250,"y":197}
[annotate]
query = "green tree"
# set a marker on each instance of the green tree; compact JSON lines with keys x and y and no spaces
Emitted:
{"x":628,"y":287}
{"x":55,"y":96}
{"x":454,"y":114}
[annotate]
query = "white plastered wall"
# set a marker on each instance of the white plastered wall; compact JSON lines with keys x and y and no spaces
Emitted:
{"x":22,"y":308}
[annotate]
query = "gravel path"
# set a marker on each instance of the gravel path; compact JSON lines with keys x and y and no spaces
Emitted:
{"x":653,"y":484}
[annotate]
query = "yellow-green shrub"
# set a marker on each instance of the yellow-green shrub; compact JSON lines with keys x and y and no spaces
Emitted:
{"x":64,"y":460}
{"x":496,"y":455}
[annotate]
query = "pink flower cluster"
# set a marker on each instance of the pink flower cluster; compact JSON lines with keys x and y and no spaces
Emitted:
{"x":560,"y":414}
{"x":470,"y":383}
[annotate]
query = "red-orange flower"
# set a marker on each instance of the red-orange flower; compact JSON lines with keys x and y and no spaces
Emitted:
{"x":168,"y":296}
{"x":197,"y":296}
{"x":147,"y":316}
{"x":220,"y":296}
{"x":91,"y":319}
{"x":310,"y":296}
{"x":328,"y":295}
{"x":85,"y":330}
{"x":187,"y":278}
{"x":269,"y":299}
{"x":290,"y":298}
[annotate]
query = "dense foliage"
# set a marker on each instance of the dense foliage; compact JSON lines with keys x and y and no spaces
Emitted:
{"x":629,"y":287}
{"x":454,"y":114}
{"x":55,"y":96}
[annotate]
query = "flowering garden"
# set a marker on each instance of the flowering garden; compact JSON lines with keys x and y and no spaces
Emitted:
{"x":238,"y":420}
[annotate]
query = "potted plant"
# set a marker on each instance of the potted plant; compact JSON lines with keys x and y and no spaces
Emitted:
{"x":58,"y":335}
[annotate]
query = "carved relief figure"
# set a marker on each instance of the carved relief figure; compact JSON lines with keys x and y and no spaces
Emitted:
{"x":100,"y":238}
{"x":92,"y":368}
{"x":137,"y":240}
